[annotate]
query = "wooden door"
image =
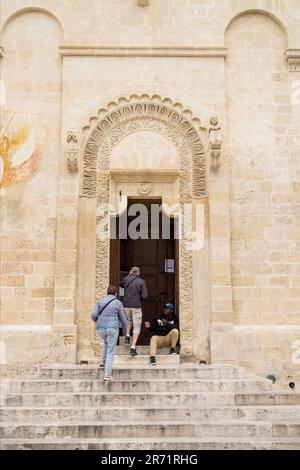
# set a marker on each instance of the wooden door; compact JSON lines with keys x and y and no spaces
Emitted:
{"x":150,"y":256}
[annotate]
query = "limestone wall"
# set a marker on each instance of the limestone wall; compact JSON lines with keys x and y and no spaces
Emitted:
{"x":263,"y":140}
{"x":31,"y":119}
{"x":62,"y":61}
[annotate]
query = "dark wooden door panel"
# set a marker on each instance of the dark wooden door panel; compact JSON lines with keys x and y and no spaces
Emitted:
{"x":149,"y":255}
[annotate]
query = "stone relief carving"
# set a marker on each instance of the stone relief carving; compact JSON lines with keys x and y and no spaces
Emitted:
{"x":294,"y":65}
{"x":215,"y":143}
{"x":143,"y":3}
{"x":145,"y":114}
{"x":145,"y":188}
{"x":121,"y":119}
{"x":72,"y":151}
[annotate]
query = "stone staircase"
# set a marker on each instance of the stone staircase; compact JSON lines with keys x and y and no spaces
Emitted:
{"x":170,"y":406}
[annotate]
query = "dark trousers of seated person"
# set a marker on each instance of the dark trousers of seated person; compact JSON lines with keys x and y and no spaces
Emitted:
{"x":170,"y":340}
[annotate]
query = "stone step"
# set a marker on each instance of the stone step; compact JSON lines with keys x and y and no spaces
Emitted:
{"x":143,"y":359}
{"x":141,"y":350}
{"x":159,"y":399}
{"x":147,"y":429}
{"x":135,"y":373}
{"x":150,"y":385}
{"x":152,"y":443}
{"x":133,"y":399}
{"x":50,"y":415}
{"x":267,"y":398}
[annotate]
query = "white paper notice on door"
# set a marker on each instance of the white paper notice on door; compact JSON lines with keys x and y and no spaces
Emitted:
{"x":169,"y":265}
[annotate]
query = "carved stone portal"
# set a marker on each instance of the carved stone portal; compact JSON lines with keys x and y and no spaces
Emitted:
{"x":178,"y":125}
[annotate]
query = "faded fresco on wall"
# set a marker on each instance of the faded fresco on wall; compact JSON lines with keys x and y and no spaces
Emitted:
{"x":19,"y":156}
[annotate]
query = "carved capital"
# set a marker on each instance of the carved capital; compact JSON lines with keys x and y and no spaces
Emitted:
{"x":215,"y":143}
{"x":72,"y":151}
{"x":143,"y":3}
{"x":294,"y":65}
{"x":293,"y":59}
{"x":72,"y":160}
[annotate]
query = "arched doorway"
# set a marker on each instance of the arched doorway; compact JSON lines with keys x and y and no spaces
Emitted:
{"x":146,"y":237}
{"x":101,"y":188}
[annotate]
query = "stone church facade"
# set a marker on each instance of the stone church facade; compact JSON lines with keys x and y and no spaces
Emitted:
{"x":195,"y":103}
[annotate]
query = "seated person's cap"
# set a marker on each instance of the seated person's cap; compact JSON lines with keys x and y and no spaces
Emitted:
{"x":170,"y":306}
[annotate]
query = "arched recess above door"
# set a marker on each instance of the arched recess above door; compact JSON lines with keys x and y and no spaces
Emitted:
{"x":126,"y":115}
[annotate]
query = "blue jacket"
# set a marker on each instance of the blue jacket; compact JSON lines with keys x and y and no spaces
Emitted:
{"x":111,"y":316}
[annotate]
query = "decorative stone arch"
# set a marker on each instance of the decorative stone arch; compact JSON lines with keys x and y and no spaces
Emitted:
{"x":171,"y":120}
{"x":145,"y":112}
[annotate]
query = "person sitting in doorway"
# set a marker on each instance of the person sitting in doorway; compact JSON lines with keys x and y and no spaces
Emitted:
{"x":135,"y":291}
{"x":166,"y":332}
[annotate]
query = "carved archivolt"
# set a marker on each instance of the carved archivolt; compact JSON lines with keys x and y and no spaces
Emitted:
{"x":116,"y":122}
{"x":144,"y":112}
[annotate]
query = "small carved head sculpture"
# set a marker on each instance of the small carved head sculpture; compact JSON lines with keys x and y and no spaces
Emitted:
{"x":72,"y":137}
{"x":214,"y":121}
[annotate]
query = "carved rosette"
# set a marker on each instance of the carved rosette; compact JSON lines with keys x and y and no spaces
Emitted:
{"x":115,"y":123}
{"x":144,"y":189}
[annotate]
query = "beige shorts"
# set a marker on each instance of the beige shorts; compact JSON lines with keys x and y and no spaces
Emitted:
{"x":134,"y":316}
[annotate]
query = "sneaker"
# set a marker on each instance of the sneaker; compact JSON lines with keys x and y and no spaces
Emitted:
{"x":108,"y":378}
{"x":152,"y":361}
{"x":133,"y":352}
{"x":172,"y":351}
{"x":102,"y":365}
{"x":127,"y":340}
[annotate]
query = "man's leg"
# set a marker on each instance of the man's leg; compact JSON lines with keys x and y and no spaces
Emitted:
{"x":156,"y":342}
{"x":128,"y":312}
{"x":137,"y":323}
{"x":174,"y":336}
{"x":171,"y":340}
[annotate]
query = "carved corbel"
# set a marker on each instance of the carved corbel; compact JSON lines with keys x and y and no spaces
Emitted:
{"x":143,"y":3}
{"x":72,"y":151}
{"x":215,"y":143}
{"x":294,"y":65}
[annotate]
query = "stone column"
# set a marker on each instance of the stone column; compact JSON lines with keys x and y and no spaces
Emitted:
{"x":201,"y":290}
{"x":222,"y":336}
{"x":86,"y":286}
